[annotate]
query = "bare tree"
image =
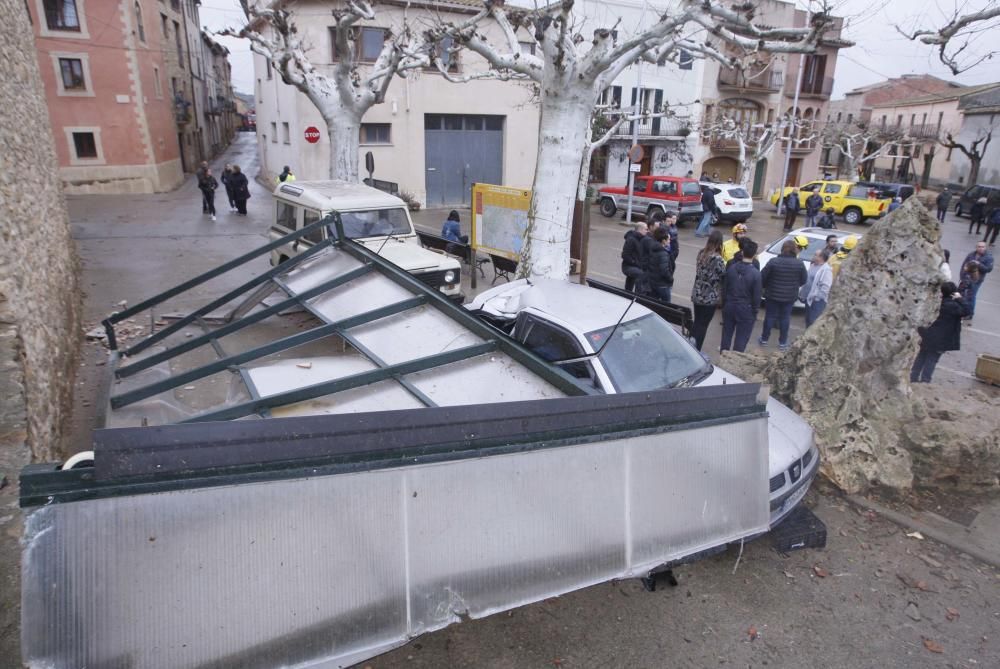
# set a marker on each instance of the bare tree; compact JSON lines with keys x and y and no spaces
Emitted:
{"x":343,"y":97}
{"x":570,"y":71}
{"x":754,"y":141}
{"x":956,"y":39}
{"x":860,"y":143}
{"x":974,"y":150}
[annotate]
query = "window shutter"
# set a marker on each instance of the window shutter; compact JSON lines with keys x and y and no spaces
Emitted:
{"x":657,"y":108}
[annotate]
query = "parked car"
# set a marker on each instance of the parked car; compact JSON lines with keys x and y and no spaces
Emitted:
{"x":378,"y":220}
{"x":969,"y":197}
{"x":889,"y":190}
{"x":680,"y":195}
{"x":617,"y":346}
{"x":853,"y":201}
{"x":817,"y":240}
{"x":732,"y":201}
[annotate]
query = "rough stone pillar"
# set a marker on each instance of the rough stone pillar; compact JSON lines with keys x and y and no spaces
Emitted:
{"x":38,"y":267}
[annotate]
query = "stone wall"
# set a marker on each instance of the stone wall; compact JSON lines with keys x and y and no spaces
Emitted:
{"x":39,"y":287}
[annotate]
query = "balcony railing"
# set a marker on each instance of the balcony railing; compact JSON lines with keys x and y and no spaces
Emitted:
{"x":819,"y":88}
{"x":647,"y":127}
{"x":925,"y":131}
{"x":769,"y":81}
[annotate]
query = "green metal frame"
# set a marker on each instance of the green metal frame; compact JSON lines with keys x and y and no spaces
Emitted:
{"x":422,"y":295}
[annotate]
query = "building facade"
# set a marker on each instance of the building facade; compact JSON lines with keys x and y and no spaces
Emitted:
{"x":221,"y":119}
{"x":104,"y":72}
{"x":924,"y":121}
{"x":762,"y":93}
{"x":980,"y":115}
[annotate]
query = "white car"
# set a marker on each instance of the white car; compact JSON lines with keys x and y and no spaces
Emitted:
{"x":817,"y":240}
{"x":732,"y":201}
{"x":577,"y":327}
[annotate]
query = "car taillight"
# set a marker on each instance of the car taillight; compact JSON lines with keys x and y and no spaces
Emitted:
{"x":728,"y":203}
{"x":881,"y":206}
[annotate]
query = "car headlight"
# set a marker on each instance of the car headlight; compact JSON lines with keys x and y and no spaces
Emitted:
{"x":451,"y":276}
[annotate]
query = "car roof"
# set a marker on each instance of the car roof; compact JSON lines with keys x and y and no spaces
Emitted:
{"x":822,"y":233}
{"x":338,"y":195}
{"x":666,"y":177}
{"x":586,"y":308}
{"x":716,"y":184}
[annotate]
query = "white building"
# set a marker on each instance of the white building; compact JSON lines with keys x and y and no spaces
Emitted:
{"x":431,"y":138}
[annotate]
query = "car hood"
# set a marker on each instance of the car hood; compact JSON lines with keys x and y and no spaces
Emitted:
{"x":788,"y":434}
{"x":410,"y":257}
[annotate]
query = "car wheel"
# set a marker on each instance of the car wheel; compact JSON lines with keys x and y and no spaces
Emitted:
{"x":958,"y":209}
{"x":652,"y":210}
{"x":853,"y":216}
{"x":608,"y":207}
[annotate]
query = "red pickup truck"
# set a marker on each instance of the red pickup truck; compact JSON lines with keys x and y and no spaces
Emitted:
{"x":680,"y":195}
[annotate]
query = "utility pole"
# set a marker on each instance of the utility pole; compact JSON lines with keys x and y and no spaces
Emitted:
{"x":635,"y":136}
{"x":793,"y":127}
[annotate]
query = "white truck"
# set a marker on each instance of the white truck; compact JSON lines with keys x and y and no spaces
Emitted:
{"x":371,"y":217}
{"x":620,"y":347}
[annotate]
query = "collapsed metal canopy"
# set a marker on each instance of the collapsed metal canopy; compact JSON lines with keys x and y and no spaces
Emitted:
{"x":413,"y":347}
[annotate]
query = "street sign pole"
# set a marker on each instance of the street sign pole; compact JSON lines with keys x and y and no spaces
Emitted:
{"x":635,"y":140}
{"x":793,"y":128}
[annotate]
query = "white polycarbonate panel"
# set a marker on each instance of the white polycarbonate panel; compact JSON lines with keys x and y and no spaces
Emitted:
{"x":493,"y":377}
{"x":413,"y":334}
{"x":323,"y":266}
{"x":367,"y":293}
{"x":338,"y":568}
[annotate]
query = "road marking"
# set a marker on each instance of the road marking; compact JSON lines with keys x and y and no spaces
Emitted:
{"x":982,"y":332}
{"x":957,"y":372}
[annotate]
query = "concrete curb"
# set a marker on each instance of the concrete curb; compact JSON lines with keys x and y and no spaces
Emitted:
{"x":942,"y":530}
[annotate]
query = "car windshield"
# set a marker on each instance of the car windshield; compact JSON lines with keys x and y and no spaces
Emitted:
{"x":739,"y":192}
{"x":815,"y":244}
{"x":691,"y":188}
{"x":646,"y":354}
{"x":374,"y":223}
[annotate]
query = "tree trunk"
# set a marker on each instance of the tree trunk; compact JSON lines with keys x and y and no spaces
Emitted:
{"x":562,"y":144}
{"x":747,"y":169}
{"x":974,"y":170}
{"x":343,"y":127}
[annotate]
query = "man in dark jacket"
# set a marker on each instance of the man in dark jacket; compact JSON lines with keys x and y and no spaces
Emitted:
{"x":669,"y":223}
{"x":660,"y":268}
{"x":813,"y":204}
{"x":792,"y":206}
{"x":707,"y":212}
{"x":781,"y":279}
{"x":977,"y":215}
{"x":741,"y":299}
{"x":944,"y":334}
{"x":942,"y":202}
{"x":984,"y":259}
{"x":632,"y":255}
{"x":992,"y":226}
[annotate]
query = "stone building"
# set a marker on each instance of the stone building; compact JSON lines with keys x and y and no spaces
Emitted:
{"x":221,"y":120}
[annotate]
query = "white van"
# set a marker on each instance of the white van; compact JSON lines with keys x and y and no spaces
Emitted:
{"x":372,"y":217}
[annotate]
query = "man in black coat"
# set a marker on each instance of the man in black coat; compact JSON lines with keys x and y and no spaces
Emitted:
{"x":741,"y":299}
{"x":632,"y":255}
{"x":792,"y":206}
{"x":660,"y":265}
{"x":781,"y":278}
{"x":944,"y":334}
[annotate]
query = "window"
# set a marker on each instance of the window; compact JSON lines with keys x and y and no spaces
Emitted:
{"x":940,"y":119}
{"x":72,"y":74}
{"x":309,"y":217}
{"x":913,"y":120}
{"x":883,"y":121}
{"x":376,"y":133}
{"x":85,"y":145}
{"x":61,"y":15}
{"x":274,"y":132}
{"x":813,"y":76}
{"x":180,"y":48}
{"x":285,"y":215}
{"x":285,"y":134}
{"x":157,"y":86}
{"x":260,"y":91}
{"x":367,"y":44}
{"x":639,"y":186}
{"x":665,"y":187}
{"x":838,"y":116}
{"x":443,"y":52}
{"x":850,"y":118}
{"x":164,"y":26}
{"x":685,"y":61}
{"x":140,"y":29}
{"x":611,"y":97}
{"x":553,"y":345}
{"x":527,"y":47}
{"x":832,"y":188}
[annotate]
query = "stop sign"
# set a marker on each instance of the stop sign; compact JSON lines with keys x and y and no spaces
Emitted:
{"x":312,"y":134}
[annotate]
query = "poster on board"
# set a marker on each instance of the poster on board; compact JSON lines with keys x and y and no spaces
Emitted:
{"x":499,"y":219}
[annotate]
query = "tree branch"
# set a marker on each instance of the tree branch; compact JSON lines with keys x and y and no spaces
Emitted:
{"x":944,"y":36}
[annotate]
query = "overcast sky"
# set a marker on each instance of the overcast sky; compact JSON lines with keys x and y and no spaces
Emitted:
{"x":880,"y":52}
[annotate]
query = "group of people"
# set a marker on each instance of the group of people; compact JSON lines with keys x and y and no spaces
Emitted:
{"x":649,"y":256}
{"x":814,"y":205}
{"x":235,"y":182}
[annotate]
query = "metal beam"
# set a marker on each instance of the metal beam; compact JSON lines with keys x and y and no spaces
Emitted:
{"x":143,"y":344}
{"x":137,"y":394}
{"x":347,"y":383}
{"x":230,"y":328}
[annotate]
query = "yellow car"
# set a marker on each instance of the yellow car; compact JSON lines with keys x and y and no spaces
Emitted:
{"x":855,"y":203}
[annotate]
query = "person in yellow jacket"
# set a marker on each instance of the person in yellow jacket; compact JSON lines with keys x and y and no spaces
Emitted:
{"x":732,"y":246}
{"x":845,"y":249}
{"x":285,"y":176}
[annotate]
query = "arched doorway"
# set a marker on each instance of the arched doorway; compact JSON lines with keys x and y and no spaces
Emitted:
{"x":726,"y":168}
{"x":758,"y":178}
